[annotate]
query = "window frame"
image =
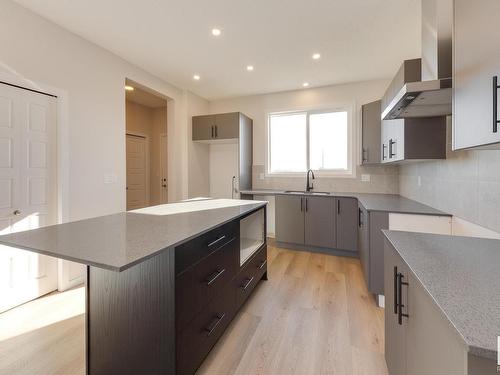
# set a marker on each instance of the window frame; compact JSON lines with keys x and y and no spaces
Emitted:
{"x":350,"y":172}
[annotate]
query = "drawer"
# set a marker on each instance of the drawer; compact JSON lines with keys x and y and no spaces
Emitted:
{"x":198,"y":248}
{"x":249,"y":276}
{"x":196,"y":340}
{"x":198,"y":285}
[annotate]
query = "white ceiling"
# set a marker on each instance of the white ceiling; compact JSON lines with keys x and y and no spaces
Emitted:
{"x":358,"y":39}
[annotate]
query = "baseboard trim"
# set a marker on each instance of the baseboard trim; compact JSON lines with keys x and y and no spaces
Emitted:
{"x":314,"y":249}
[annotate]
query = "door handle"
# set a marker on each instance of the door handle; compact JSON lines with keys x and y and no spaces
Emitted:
{"x":338,"y":206}
{"x":395,"y":290}
{"x":495,"y":104}
{"x":306,"y":203}
{"x":216,"y":131}
{"x":391,"y":154}
{"x":16,"y":212}
{"x":301,"y":204}
{"x":384,"y":146}
{"x":212,"y":131}
{"x":400,"y":298}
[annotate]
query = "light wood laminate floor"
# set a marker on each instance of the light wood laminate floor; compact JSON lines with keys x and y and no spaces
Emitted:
{"x":313,"y":316}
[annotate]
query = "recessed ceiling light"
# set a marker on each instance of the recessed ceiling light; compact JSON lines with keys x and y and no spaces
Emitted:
{"x":305,"y":84}
{"x":196,"y":77}
{"x":216,"y":32}
{"x":129,"y":88}
{"x":250,"y":68}
{"x":316,"y":56}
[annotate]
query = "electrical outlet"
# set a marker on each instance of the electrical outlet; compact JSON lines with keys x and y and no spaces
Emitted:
{"x":110,"y":178}
{"x":365,"y":178}
{"x":419,"y":181}
{"x":261,"y":176}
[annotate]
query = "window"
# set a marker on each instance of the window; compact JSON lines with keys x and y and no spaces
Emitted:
{"x":315,"y":140}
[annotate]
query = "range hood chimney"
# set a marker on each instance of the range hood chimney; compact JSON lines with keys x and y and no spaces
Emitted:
{"x":431,"y":96}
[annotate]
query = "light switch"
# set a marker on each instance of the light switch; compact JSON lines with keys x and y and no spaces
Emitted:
{"x":365,"y":178}
{"x":110,"y":178}
{"x":261,"y":176}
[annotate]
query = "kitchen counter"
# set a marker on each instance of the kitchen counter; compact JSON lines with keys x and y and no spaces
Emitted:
{"x":460,"y":274}
{"x":119,"y":241}
{"x":372,"y":202}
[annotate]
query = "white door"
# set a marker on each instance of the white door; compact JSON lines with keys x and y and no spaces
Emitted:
{"x":28,"y":194}
{"x":164,"y":168}
{"x":137,"y":176}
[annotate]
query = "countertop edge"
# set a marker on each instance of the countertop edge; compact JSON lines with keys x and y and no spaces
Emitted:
{"x":471,"y":349}
{"x":137,"y":261}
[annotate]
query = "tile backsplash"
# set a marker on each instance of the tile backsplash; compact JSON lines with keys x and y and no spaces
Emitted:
{"x":466,"y":184}
{"x":383,"y":179}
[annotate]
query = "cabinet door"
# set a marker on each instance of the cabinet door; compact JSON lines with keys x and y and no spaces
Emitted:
{"x":227,"y":125}
{"x":384,"y":140}
{"x":395,"y":333}
{"x":378,"y":221}
{"x":363,"y":242}
{"x":320,"y":221}
{"x":347,"y":223}
{"x":203,"y":127}
{"x":476,"y":60}
{"x":371,"y":125}
{"x":396,"y":140}
{"x":432,"y":348}
{"x":290,"y":219}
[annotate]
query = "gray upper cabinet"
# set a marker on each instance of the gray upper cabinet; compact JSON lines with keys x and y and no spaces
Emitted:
{"x":217,"y":127}
{"x":290,"y":219}
{"x":203,"y":127}
{"x":347,"y":223}
{"x":371,"y":126}
{"x":413,"y":139}
{"x":476,"y":60}
{"x":227,"y":125}
{"x":319,"y":221}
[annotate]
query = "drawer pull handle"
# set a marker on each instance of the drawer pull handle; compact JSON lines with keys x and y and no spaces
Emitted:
{"x":216,"y":241}
{"x":247,"y":283}
{"x":214,"y":276}
{"x":262,"y":264}
{"x":214,"y":324}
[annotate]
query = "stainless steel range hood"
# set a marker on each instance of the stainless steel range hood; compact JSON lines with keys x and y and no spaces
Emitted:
{"x":432,"y":95}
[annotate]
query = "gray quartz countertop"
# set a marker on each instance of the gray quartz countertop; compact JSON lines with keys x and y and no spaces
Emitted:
{"x":461,"y":275}
{"x":119,"y":241}
{"x":371,"y":202}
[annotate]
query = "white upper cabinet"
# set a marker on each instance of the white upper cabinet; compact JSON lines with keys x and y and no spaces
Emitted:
{"x":476,"y":61}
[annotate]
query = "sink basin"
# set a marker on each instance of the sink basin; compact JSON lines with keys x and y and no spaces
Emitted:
{"x":307,"y":192}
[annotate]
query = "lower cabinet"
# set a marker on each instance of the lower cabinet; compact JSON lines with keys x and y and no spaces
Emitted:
{"x":418,"y":338}
{"x":210,"y":287}
{"x":314,"y":221}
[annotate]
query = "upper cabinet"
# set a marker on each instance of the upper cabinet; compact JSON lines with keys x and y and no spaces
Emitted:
{"x":476,"y":62}
{"x":371,"y":132}
{"x":214,"y":127}
{"x":413,"y":139}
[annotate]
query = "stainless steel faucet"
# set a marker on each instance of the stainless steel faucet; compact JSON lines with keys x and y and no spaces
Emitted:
{"x":309,"y":184}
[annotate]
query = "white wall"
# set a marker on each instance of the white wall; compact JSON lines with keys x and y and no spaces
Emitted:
{"x":89,"y":80}
{"x":198,"y":153}
{"x":384,"y":179}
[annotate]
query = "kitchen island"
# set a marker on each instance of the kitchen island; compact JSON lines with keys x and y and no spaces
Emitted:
{"x":163,"y":282}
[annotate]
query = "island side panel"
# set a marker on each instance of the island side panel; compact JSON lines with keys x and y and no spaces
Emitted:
{"x":130,"y":320}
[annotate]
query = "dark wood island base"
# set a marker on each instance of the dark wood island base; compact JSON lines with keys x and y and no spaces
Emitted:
{"x":164,"y":315}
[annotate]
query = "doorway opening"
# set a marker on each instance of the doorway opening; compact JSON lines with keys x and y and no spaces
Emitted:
{"x":146,"y":146}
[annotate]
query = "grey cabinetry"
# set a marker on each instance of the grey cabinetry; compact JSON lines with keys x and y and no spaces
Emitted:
{"x":395,"y":333}
{"x":290,"y":219}
{"x":364,"y":241}
{"x":413,"y":139}
{"x":319,"y":222}
{"x":476,"y":61}
{"x":371,"y":247}
{"x":371,"y":126}
{"x":418,"y":337}
{"x":346,"y":223}
{"x":203,"y":127}
{"x":219,"y":126}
